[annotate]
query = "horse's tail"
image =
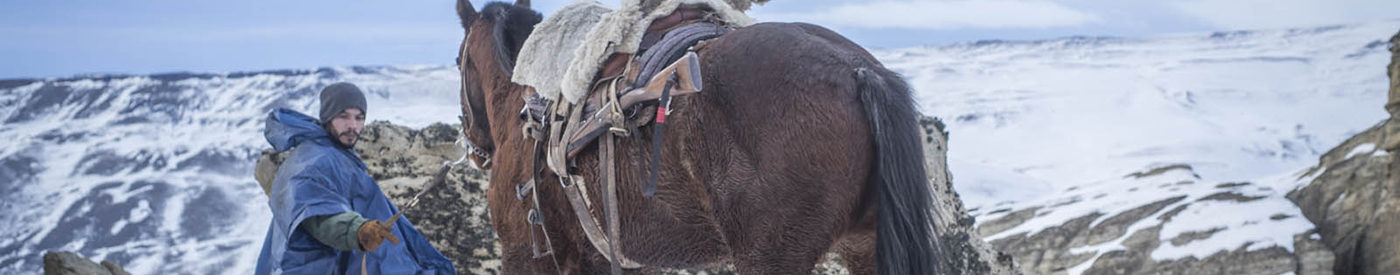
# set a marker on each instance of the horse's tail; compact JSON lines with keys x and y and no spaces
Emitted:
{"x":906,"y":241}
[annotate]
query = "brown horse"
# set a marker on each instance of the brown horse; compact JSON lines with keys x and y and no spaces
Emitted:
{"x":801,"y":144}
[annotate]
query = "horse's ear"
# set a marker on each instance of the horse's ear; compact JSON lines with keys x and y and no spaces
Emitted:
{"x":522,"y":3}
{"x":466,"y":12}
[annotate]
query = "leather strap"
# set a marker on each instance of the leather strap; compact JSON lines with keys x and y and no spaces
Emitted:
{"x":606,"y":163}
{"x":578,"y":199}
{"x":573,"y":189}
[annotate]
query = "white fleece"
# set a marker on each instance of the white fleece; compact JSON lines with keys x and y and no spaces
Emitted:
{"x":556,"y":42}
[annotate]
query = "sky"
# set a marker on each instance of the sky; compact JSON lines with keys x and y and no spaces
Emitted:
{"x":44,"y":38}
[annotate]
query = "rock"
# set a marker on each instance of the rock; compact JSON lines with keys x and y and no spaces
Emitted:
{"x":1114,"y":227}
{"x":969,"y":253}
{"x":1353,"y":194}
{"x":1009,"y":221}
{"x":1267,"y":261}
{"x":1312,"y":255}
{"x":1046,"y":251}
{"x":1124,"y":242}
{"x":66,"y":263}
{"x":1192,"y":236}
{"x":1393,"y":105}
{"x":453,"y":215}
{"x":1392,"y":142}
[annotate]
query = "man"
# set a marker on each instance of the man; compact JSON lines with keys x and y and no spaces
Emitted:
{"x":327,"y":212}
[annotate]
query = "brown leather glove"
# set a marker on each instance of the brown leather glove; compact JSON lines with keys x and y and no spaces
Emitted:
{"x":373,"y":233}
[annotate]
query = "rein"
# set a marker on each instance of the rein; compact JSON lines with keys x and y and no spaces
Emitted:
{"x":437,"y":179}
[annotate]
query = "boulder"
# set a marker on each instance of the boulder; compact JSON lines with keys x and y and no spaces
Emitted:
{"x":69,"y":263}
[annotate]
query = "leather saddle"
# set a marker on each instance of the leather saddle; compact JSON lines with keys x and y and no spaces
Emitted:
{"x":628,"y":87}
{"x":633,"y":84}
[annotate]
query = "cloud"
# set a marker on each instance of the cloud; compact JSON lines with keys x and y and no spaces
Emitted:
{"x":940,"y":14}
{"x":204,"y":34}
{"x":1271,"y":14}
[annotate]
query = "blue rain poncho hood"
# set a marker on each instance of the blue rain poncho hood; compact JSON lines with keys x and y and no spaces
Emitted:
{"x":321,"y":178}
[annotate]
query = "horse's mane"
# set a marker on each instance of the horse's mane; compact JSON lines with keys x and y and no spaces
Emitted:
{"x":512,"y":25}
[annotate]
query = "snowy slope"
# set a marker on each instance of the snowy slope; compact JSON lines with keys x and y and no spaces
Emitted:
{"x":154,"y":172}
{"x":1059,"y":124}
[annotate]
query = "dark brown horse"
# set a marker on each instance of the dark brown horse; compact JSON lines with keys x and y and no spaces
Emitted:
{"x":801,"y":144}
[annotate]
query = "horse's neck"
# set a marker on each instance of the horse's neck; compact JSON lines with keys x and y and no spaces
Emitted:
{"x":505,"y":121}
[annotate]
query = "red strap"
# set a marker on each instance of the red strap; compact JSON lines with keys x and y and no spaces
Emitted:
{"x":660,"y":114}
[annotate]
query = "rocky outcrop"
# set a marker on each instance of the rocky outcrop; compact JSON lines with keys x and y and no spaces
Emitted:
{"x":968,"y":253}
{"x":1111,"y":239}
{"x":68,"y":263}
{"x":454,"y":217}
{"x":1353,"y":194}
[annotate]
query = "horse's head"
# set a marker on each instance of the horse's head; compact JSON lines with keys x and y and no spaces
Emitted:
{"x":486,"y":58}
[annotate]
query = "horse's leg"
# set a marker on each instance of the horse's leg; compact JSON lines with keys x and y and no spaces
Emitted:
{"x":510,"y":226}
{"x":783,"y":233}
{"x":515,"y":233}
{"x":857,"y":251}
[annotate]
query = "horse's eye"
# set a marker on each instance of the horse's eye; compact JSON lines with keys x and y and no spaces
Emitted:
{"x":458,"y":61}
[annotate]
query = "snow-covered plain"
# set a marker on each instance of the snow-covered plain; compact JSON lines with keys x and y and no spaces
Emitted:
{"x":155,"y":172}
{"x":1060,"y":124}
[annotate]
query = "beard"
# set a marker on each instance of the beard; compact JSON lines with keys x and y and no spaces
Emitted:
{"x":347,"y":135}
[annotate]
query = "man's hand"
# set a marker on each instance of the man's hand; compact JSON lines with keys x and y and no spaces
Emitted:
{"x":373,"y":233}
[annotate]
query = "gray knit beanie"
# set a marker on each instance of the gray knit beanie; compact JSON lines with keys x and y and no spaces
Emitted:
{"x":338,"y":97}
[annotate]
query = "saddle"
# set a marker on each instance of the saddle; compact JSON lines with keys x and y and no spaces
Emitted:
{"x":629,"y":91}
{"x":630,"y":85}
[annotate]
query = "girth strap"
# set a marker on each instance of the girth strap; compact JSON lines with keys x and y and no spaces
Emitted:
{"x":606,"y":163}
{"x":573,"y":186}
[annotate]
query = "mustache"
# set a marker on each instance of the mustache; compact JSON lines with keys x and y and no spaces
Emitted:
{"x":351,"y":133}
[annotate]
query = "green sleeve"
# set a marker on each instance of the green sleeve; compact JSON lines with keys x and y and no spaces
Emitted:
{"x":338,"y":231}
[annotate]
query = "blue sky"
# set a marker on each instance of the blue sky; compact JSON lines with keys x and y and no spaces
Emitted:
{"x":69,"y":37}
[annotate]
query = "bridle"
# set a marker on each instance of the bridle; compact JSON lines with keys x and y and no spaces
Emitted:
{"x":469,"y":123}
{"x":534,"y":216}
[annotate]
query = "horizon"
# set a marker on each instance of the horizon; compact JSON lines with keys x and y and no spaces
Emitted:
{"x":56,"y":40}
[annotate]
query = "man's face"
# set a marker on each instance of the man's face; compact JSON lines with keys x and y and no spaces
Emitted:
{"x":346,"y":126}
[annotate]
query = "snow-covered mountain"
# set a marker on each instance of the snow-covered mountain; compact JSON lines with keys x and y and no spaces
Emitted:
{"x":1095,"y":137}
{"x":155,"y":172}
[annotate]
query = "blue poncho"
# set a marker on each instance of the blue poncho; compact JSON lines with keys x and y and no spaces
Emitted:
{"x":321,"y":178}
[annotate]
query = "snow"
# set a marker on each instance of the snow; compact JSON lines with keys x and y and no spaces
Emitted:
{"x":1243,"y":223}
{"x":1056,"y":124}
{"x":991,"y":183}
{"x":124,"y":165}
{"x":1365,"y":148}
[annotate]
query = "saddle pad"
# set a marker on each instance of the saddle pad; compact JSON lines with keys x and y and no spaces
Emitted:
{"x":550,"y":48}
{"x":621,"y":32}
